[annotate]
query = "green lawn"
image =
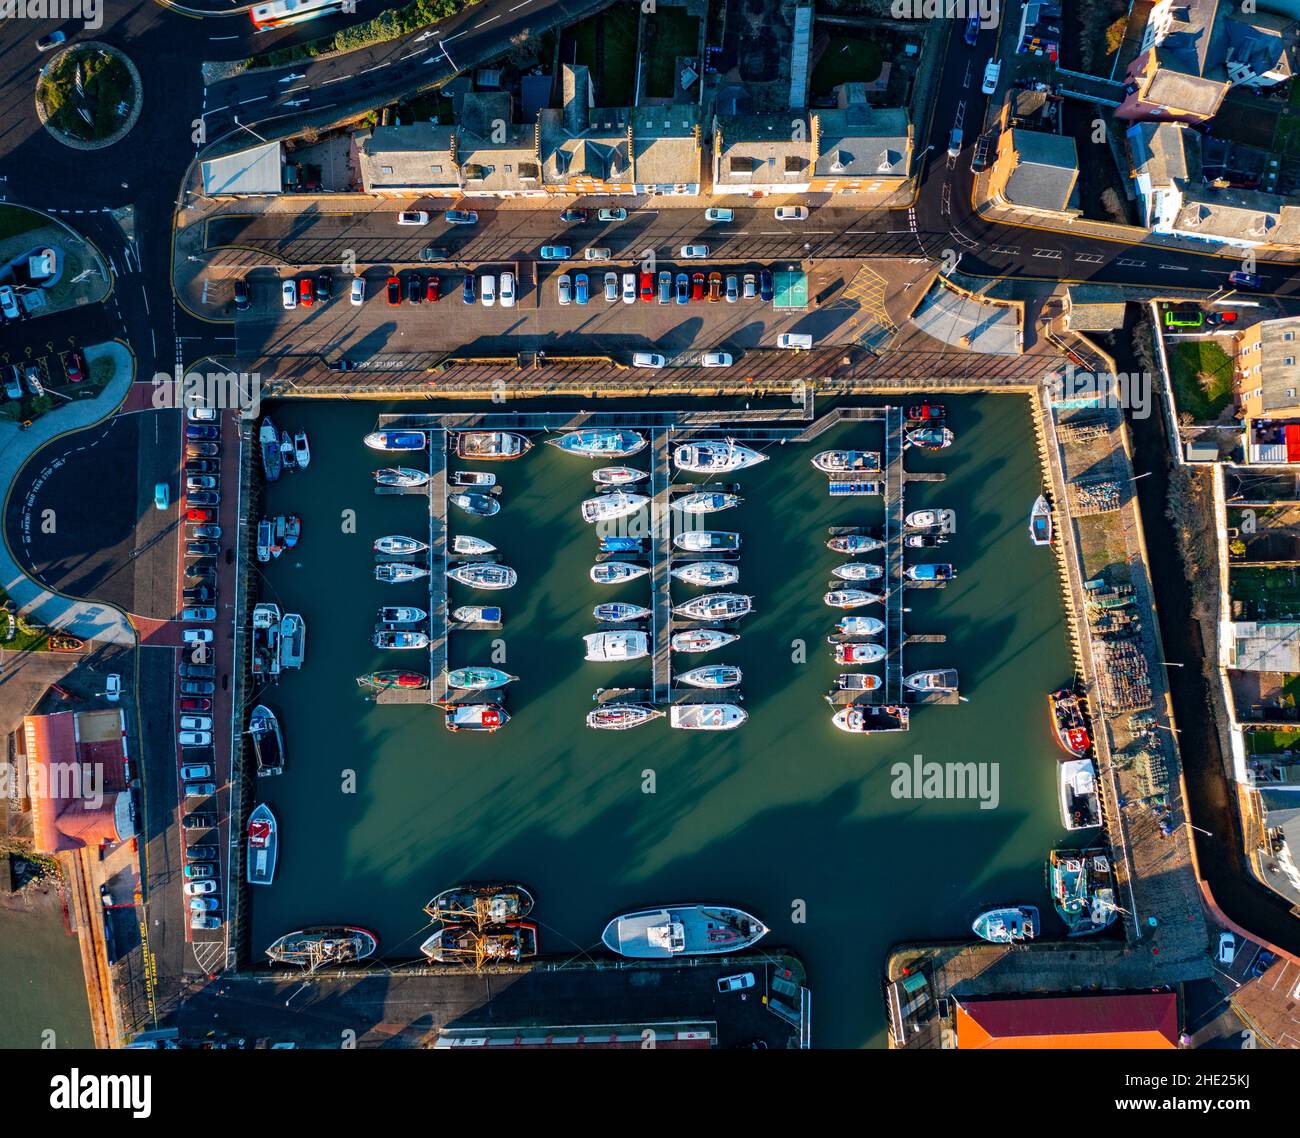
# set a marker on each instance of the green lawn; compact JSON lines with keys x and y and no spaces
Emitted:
{"x":1202,"y":375}
{"x":26,"y":638}
{"x":846,"y":59}
{"x":1272,"y":742}
{"x":1273,"y":593}
{"x":15,"y":220}
{"x":614,"y":82}
{"x":670,"y":32}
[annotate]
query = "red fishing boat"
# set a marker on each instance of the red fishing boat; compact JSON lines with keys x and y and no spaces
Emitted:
{"x":1069,"y":722}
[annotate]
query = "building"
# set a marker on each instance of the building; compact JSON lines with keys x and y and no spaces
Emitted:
{"x":667,"y":153}
{"x":762,"y":154}
{"x":1280,"y":810}
{"x":420,"y":158}
{"x":1147,"y":1020}
{"x":584,"y":150}
{"x":1034,"y":170}
{"x":497,"y":156}
{"x":77,"y":778}
{"x":1259,"y":646}
{"x":258,"y":171}
{"x":1267,"y":371}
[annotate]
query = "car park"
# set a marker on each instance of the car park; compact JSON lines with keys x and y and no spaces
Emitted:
{"x":694,"y":252}
{"x":198,"y":688}
{"x":1227,"y":949}
{"x":433,"y":288}
{"x":683,"y":288}
{"x":750,"y":289}
{"x":324,"y":286}
{"x":715,"y":213}
{"x":647,"y":359}
{"x":202,"y":432}
{"x":467,"y":289}
{"x":580,"y":288}
{"x":611,"y":287}
{"x":698,"y":285}
{"x":732,"y":289}
{"x":241,"y":296}
{"x":737,"y":983}
{"x":556,"y":252}
{"x":201,"y":549}
{"x":199,"y":820}
{"x":618,"y":213}
{"x":195,"y":738}
{"x":188,"y":671}
{"x":201,"y":482}
{"x":357,"y":291}
{"x":112,"y":687}
{"x":161,"y":496}
{"x":598,"y":253}
{"x":573,"y":216}
{"x":204,"y":498}
{"x":992,"y":70}
{"x":791,"y":213}
{"x":198,"y":614}
{"x":715,"y":287}
{"x":13,"y":381}
{"x":435,"y":252}
{"x":199,"y":888}
{"x":766,"y":285}
{"x":647,"y":289}
{"x":715,"y":359}
{"x":1246,"y":280}
{"x":202,"y":450}
{"x":199,"y":921}
{"x":204,"y":904}
{"x":306,"y":294}
{"x":196,"y":636}
{"x":487,"y":290}
{"x":32,"y":376}
{"x":460,"y":217}
{"x":413,"y":217}
{"x":414,"y":288}
{"x":799,"y":340}
{"x":665,"y":287}
{"x":629,"y":288}
{"x":197,"y":515}
{"x":393,"y":288}
{"x":194,"y":772}
{"x":507,"y":290}
{"x":564,"y":288}
{"x":289,"y":294}
{"x":200,"y":853}
{"x":196,"y":723}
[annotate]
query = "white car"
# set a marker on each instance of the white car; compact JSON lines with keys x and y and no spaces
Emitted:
{"x":629,"y":288}
{"x":196,"y":723}
{"x":487,"y":290}
{"x":598,"y":254}
{"x":564,"y":288}
{"x":113,"y":687}
{"x":289,"y":292}
{"x":195,"y":738}
{"x":194,"y":772}
{"x":794,"y":340}
{"x":1227,"y":949}
{"x":507,"y":290}
{"x":199,"y":888}
{"x":647,"y":359}
{"x":992,"y":70}
{"x":196,"y":636}
{"x":736,"y":983}
{"x":9,"y":303}
{"x":694,"y":252}
{"x":413,"y":217}
{"x":715,"y":359}
{"x":201,"y":414}
{"x":201,"y":613}
{"x":611,"y":286}
{"x":357,"y":294}
{"x":792,"y":213}
{"x":716,"y":214}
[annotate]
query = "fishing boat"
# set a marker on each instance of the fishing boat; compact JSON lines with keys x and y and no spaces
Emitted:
{"x":702,"y":639}
{"x":486,"y":717}
{"x":848,"y":462}
{"x":706,"y":716}
{"x":479,"y":679}
{"x":288,"y":456}
{"x":477,"y":614}
{"x":929,"y":438}
{"x":268,"y":441}
{"x":601,"y":442}
{"x":707,"y":541}
{"x":484,"y":575}
{"x":925,"y":413}
{"x":466,"y":545}
{"x":618,"y":612}
{"x":616,"y":572}
{"x":381,"y":681}
{"x":941,"y":571}
{"x":716,"y":606}
{"x":491,"y":445}
{"x":682,"y":930}
{"x":925,"y":540}
{"x":293,"y":640}
{"x":477,"y":505}
{"x":860,"y":626}
{"x":708,"y":573}
{"x":265,"y":655}
{"x":706,"y":502}
{"x":1082,"y":885}
{"x":399,"y":573}
{"x":857,"y":571}
{"x":401,"y":476}
{"x":615,"y":646}
{"x":857,"y":681}
{"x":1080,"y":803}
{"x":479,"y":478}
{"x":613,"y":543}
{"x":265,"y":535}
{"x":285,"y":529}
{"x":621,"y":716}
{"x":711,"y":676}
{"x":617,"y":475}
{"x":939,"y":679}
{"x":857,"y":653}
{"x":616,"y":504}
{"x":397,"y":440}
{"x":400,"y":638}
{"x":1069,"y":722}
{"x":851,"y":598}
{"x":65,"y":642}
{"x":398,"y":545}
{"x":481,"y":903}
{"x":1040,"y":522}
{"x":871,"y":719}
{"x":715,"y":456}
{"x":301,"y":450}
{"x":1013,"y":925}
{"x":930,"y":519}
{"x":323,"y":946}
{"x":401,"y":614}
{"x":268,"y":741}
{"x":854,"y":543}
{"x":462,"y":944}
{"x":263,"y":844}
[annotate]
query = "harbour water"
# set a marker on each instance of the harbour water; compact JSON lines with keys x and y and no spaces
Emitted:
{"x":380,"y":807}
{"x":43,"y":996}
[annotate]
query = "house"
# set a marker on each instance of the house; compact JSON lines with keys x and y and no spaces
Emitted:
{"x":1267,"y":371}
{"x":860,"y":148}
{"x":667,"y":152}
{"x":584,"y":150}
{"x":1259,"y":48}
{"x":1034,"y":170}
{"x":497,"y":156}
{"x":418,"y":158}
{"x":1144,"y":1020}
{"x":1175,"y":74}
{"x":762,"y":154}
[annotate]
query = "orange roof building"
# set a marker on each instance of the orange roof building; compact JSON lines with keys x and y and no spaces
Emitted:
{"x":77,"y":780}
{"x":1146,"y":1020}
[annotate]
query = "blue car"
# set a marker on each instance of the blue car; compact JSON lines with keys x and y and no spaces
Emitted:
{"x":580,"y":294}
{"x":972,"y":30}
{"x":683,"y":289}
{"x":467,"y":289}
{"x":766,"y":285}
{"x":1246,"y":280}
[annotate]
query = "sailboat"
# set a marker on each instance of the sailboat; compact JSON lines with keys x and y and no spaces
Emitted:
{"x":706,"y":502}
{"x":621,"y":716}
{"x":487,"y":575}
{"x":268,"y":439}
{"x":616,"y":504}
{"x":711,"y":676}
{"x":601,"y":442}
{"x":619,"y":612}
{"x":707,"y":573}
{"x":715,"y":456}
{"x":702,"y":639}
{"x":397,"y":545}
{"x":616,"y":572}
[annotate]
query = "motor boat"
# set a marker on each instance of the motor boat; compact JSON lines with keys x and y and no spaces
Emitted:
{"x":621,"y":716}
{"x":400,"y":638}
{"x":701,"y":639}
{"x":851,"y":598}
{"x":293,"y":640}
{"x":616,"y":504}
{"x":706,"y":716}
{"x":401,"y":614}
{"x":945,"y":520}
{"x":263,"y":844}
{"x":856,"y":653}
{"x":1069,"y":722}
{"x":268,"y":441}
{"x":478,"y":505}
{"x":484,"y":575}
{"x":465,"y":545}
{"x":938,"y":679}
{"x":706,"y":502}
{"x":265,"y":536}
{"x":1080,"y":802}
{"x":382,"y":681}
{"x":848,"y":462}
{"x":682,"y":930}
{"x":711,"y":676}
{"x":707,"y":573}
{"x":481,"y":479}
{"x":324,"y":946}
{"x":716,"y":606}
{"x":857,"y":681}
{"x":615,"y":646}
{"x":1040,"y":522}
{"x":707,"y":541}
{"x":484,"y":903}
{"x":616,"y":572}
{"x":854,"y":543}
{"x":614,"y":543}
{"x":715,"y":456}
{"x":929,"y":438}
{"x":397,"y":440}
{"x":940,"y":571}
{"x":477,"y":614}
{"x":619,"y":612}
{"x":268,"y":741}
{"x":617,"y":475}
{"x":301,"y":450}
{"x":925,"y":413}
{"x":491,"y":445}
{"x":1013,"y":925}
{"x":858,"y":571}
{"x":401,"y":476}
{"x":601,"y":442}
{"x":860,"y":626}
{"x":479,"y":679}
{"x":397,"y":545}
{"x":871,"y":719}
{"x":486,"y":717}
{"x":288,"y":455}
{"x":925,"y":540}
{"x":399,"y":573}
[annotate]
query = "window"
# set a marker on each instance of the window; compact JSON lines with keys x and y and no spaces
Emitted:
{"x":1289,"y":361}
{"x":386,"y":169}
{"x":435,"y":169}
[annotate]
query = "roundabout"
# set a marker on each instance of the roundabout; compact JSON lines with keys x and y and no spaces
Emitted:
{"x":89,"y":96}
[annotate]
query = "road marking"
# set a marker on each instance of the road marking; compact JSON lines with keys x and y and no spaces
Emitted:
{"x":523,"y":5}
{"x":485,"y":23}
{"x":376,"y":67}
{"x":258,"y":99}
{"x":1006,"y":250}
{"x":413,"y":54}
{"x":1131,"y":263}
{"x":1049,"y":254}
{"x":1089,"y":258}
{"x":291,"y":90}
{"x":1175,"y":268}
{"x":336,"y":79}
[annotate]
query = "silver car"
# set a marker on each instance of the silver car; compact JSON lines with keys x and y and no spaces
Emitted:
{"x":564,"y":286}
{"x":611,"y":286}
{"x":629,"y":288}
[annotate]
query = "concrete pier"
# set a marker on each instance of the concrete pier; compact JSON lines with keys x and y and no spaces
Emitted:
{"x":661,"y":528}
{"x":892,"y":583}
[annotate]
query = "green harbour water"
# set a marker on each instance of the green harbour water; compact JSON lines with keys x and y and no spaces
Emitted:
{"x":786,"y":817}
{"x":42,"y":993}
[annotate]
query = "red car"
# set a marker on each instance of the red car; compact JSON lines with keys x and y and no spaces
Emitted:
{"x":74,"y":366}
{"x":697,"y":286}
{"x":394,"y":293}
{"x":306,"y":292}
{"x":194,"y":514}
{"x":196,"y":705}
{"x":433,"y":290}
{"x":647,"y":286}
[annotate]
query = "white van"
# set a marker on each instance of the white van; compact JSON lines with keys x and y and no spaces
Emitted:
{"x":507,"y":290}
{"x":794,"y":340}
{"x":647,"y":359}
{"x":487,"y":290}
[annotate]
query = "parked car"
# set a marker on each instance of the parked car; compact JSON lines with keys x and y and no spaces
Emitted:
{"x":203,"y":466}
{"x":737,"y":983}
{"x":199,"y":614}
{"x":201,"y":549}
{"x":954,"y":142}
{"x":196,"y":636}
{"x":196,"y":515}
{"x":435,"y":252}
{"x":198,"y":921}
{"x":324,"y":286}
{"x":204,"y":498}
{"x":1246,"y":280}
{"x":199,"y":595}
{"x":205,"y":569}
{"x":196,"y":723}
{"x":199,"y":820}
{"x":573,"y":215}
{"x":616,"y":214}
{"x":112,"y":687}
{"x":202,"y":432}
{"x":414,"y":288}
{"x":791,"y":213}
{"x":289,"y":294}
{"x":413,"y":217}
{"x":694,"y":252}
{"x":715,"y":213}
{"x":487,"y":289}
{"x":580,"y":288}
{"x":201,"y":482}
{"x":306,"y":294}
{"x":564,"y":288}
{"x":433,"y":288}
{"x":665,"y":287}
{"x":357,"y":293}
{"x":597,"y":253}
{"x":199,"y":888}
{"x":13,"y":381}
{"x":766,"y":285}
{"x":732,"y":289}
{"x":203,"y":904}
{"x":467,"y":289}
{"x":629,"y":288}
{"x":683,"y":288}
{"x":460,"y":217}
{"x":1217,"y":318}
{"x":199,"y":870}
{"x":393,"y":290}
{"x":200,"y":853}
{"x":201,"y":414}
{"x":241,"y":296}
{"x":198,"y":687}
{"x":794,"y":340}
{"x":32,"y":376}
{"x":202,"y":450}
{"x":992,"y":70}
{"x":556,"y":252}
{"x":1227,"y":949}
{"x":647,"y":287}
{"x":162,"y":497}
{"x":188,"y":671}
{"x":698,"y":286}
{"x":715,"y":287}
{"x":195,"y":772}
{"x":611,"y":287}
{"x":750,"y":286}
{"x":195,"y":738}
{"x":715,"y":359}
{"x":647,"y":359}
